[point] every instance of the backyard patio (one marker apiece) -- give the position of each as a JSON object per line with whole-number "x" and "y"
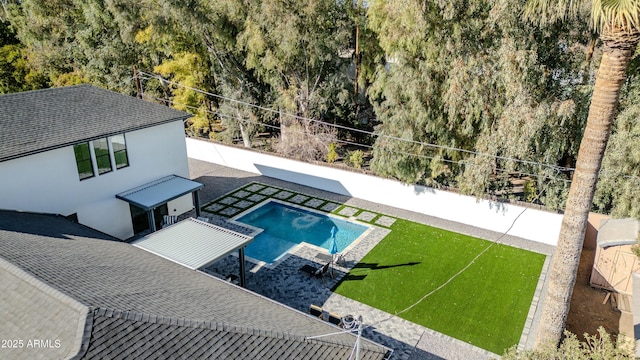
{"x": 228, "y": 192}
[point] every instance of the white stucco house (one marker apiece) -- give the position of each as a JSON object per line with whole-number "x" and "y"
{"x": 108, "y": 161}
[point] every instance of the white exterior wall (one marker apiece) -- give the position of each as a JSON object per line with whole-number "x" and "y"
{"x": 536, "y": 225}
{"x": 48, "y": 182}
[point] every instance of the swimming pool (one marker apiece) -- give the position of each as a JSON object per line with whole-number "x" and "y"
{"x": 285, "y": 226}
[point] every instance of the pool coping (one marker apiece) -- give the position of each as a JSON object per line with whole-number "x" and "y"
{"x": 328, "y": 206}
{"x": 319, "y": 249}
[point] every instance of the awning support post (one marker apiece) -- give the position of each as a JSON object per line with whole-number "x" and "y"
{"x": 243, "y": 281}
{"x": 196, "y": 201}
{"x": 152, "y": 220}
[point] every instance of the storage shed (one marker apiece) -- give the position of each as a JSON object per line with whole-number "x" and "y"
{"x": 614, "y": 261}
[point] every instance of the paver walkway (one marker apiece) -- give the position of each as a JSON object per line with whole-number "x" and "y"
{"x": 284, "y": 283}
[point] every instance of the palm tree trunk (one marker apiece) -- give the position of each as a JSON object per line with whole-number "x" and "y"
{"x": 618, "y": 50}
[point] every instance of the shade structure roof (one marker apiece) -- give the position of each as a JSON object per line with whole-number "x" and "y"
{"x": 615, "y": 232}
{"x": 193, "y": 243}
{"x": 158, "y": 192}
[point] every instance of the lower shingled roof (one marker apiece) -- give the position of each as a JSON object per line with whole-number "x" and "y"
{"x": 129, "y": 335}
{"x": 154, "y": 300}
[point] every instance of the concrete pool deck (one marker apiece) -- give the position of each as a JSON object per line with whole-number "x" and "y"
{"x": 295, "y": 289}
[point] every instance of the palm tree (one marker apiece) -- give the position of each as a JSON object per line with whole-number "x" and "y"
{"x": 617, "y": 23}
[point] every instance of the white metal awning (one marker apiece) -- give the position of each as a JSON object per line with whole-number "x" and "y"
{"x": 158, "y": 192}
{"x": 193, "y": 243}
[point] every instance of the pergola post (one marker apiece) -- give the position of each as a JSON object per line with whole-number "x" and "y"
{"x": 152, "y": 220}
{"x": 196, "y": 201}
{"x": 242, "y": 275}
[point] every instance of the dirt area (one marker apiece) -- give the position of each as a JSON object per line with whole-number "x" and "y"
{"x": 587, "y": 311}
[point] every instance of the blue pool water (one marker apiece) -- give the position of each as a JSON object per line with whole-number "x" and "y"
{"x": 286, "y": 226}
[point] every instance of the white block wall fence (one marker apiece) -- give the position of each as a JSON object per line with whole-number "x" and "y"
{"x": 536, "y": 225}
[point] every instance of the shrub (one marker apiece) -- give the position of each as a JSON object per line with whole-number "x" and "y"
{"x": 356, "y": 158}
{"x": 530, "y": 191}
{"x": 332, "y": 154}
{"x": 305, "y": 140}
{"x": 600, "y": 347}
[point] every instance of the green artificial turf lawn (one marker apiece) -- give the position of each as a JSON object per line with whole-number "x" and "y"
{"x": 487, "y": 305}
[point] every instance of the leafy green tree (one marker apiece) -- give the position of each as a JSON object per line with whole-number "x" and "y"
{"x": 187, "y": 69}
{"x": 16, "y": 74}
{"x": 7, "y": 35}
{"x": 294, "y": 47}
{"x": 471, "y": 76}
{"x": 73, "y": 41}
{"x": 210, "y": 31}
{"x": 46, "y": 29}
{"x": 618, "y": 187}
{"x": 239, "y": 119}
{"x": 617, "y": 23}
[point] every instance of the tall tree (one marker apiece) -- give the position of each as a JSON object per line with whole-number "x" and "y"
{"x": 187, "y": 69}
{"x": 47, "y": 30}
{"x": 295, "y": 47}
{"x": 74, "y": 41}
{"x": 16, "y": 73}
{"x": 617, "y": 22}
{"x": 210, "y": 31}
{"x": 471, "y": 75}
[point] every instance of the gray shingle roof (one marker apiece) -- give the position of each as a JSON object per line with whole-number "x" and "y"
{"x": 154, "y": 298}
{"x": 36, "y": 121}
{"x": 130, "y": 335}
{"x": 30, "y": 309}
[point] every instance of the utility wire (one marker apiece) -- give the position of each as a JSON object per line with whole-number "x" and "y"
{"x": 435, "y": 146}
{"x": 459, "y": 162}
{"x": 556, "y": 168}
{"x": 125, "y": 81}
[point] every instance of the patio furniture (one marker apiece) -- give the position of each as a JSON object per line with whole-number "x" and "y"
{"x": 349, "y": 323}
{"x": 341, "y": 260}
{"x": 335, "y": 319}
{"x": 169, "y": 220}
{"x": 316, "y": 311}
{"x": 316, "y": 272}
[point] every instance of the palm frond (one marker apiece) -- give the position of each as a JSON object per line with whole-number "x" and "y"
{"x": 550, "y": 11}
{"x": 624, "y": 14}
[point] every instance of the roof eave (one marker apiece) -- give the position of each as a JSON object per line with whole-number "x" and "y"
{"x": 60, "y": 146}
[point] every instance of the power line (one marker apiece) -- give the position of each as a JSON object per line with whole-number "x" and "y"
{"x": 125, "y": 81}
{"x": 556, "y": 168}
{"x": 435, "y": 146}
{"x": 459, "y": 162}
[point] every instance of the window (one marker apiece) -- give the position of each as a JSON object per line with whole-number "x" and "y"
{"x": 100, "y": 155}
{"x": 103, "y": 158}
{"x": 119, "y": 151}
{"x": 83, "y": 160}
